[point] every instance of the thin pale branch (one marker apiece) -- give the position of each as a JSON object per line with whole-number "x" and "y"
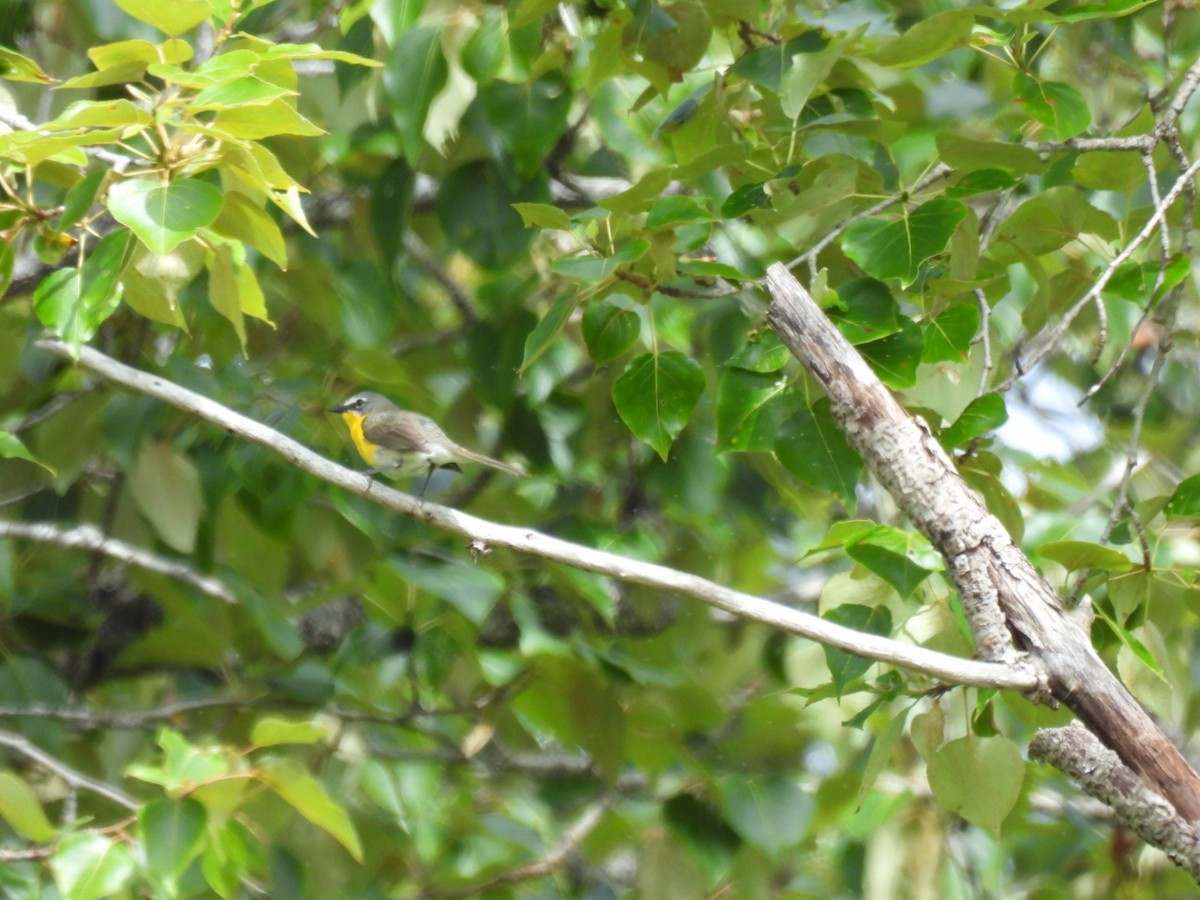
{"x": 1093, "y": 295}
{"x": 584, "y": 825}
{"x": 526, "y": 540}
{"x": 28, "y": 749}
{"x": 92, "y": 539}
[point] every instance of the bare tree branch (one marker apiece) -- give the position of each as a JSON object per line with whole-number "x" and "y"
{"x": 30, "y": 750}
{"x": 91, "y": 538}
{"x": 571, "y": 839}
{"x": 1075, "y": 751}
{"x": 1093, "y": 295}
{"x": 526, "y": 540}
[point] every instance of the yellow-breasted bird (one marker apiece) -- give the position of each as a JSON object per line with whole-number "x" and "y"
{"x": 403, "y": 444}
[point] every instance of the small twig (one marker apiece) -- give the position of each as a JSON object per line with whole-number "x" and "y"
{"x": 88, "y": 537}
{"x": 1056, "y": 334}
{"x": 571, "y": 839}
{"x": 1187, "y": 87}
{"x": 10, "y": 856}
{"x": 985, "y": 339}
{"x": 29, "y": 750}
{"x": 1139, "y": 142}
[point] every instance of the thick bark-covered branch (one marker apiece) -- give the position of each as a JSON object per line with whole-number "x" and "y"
{"x": 1000, "y": 590}
{"x": 1076, "y": 751}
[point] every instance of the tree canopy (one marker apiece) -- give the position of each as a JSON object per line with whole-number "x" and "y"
{"x": 707, "y": 646}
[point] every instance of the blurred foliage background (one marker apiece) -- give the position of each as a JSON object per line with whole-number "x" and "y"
{"x": 541, "y": 224}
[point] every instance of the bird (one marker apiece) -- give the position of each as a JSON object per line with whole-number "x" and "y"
{"x": 403, "y": 444}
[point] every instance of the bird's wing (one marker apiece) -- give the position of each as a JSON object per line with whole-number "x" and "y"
{"x": 397, "y": 431}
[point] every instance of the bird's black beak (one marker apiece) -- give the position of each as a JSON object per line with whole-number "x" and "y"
{"x": 341, "y": 407}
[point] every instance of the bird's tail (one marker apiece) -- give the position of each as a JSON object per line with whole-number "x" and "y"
{"x": 472, "y": 456}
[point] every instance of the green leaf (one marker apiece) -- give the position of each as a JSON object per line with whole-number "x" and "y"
{"x": 968, "y": 155}
{"x": 80, "y": 198}
{"x": 390, "y": 209}
{"x": 7, "y": 259}
{"x": 845, "y": 667}
{"x": 763, "y": 352}
{"x": 289, "y": 779}
{"x": 1185, "y": 500}
{"x": 528, "y": 118}
{"x": 241, "y": 92}
{"x": 996, "y": 496}
{"x": 172, "y": 833}
{"x": 271, "y": 730}
{"x": 475, "y": 207}
{"x": 767, "y": 65}
{"x": 597, "y": 268}
{"x": 16, "y": 67}
{"x": 265, "y": 120}
{"x": 172, "y": 18}
{"x": 416, "y": 71}
{"x": 485, "y": 50}
{"x": 751, "y": 407}
{"x": 184, "y": 766}
{"x": 118, "y": 74}
{"x": 543, "y": 215}
{"x": 809, "y": 70}
{"x": 656, "y": 394}
{"x": 170, "y": 52}
{"x": 92, "y": 114}
{"x": 983, "y": 414}
{"x": 813, "y": 448}
{"x": 1046, "y": 222}
{"x": 610, "y": 327}
{"x": 244, "y": 220}
{"x": 11, "y": 447}
{"x": 21, "y": 808}
{"x": 881, "y": 752}
{"x": 166, "y": 489}
{"x": 745, "y": 198}
{"x": 90, "y": 866}
{"x": 642, "y": 195}
{"x": 960, "y": 767}
{"x": 896, "y": 357}
{"x": 1058, "y": 106}
{"x": 901, "y": 558}
{"x": 867, "y": 311}
{"x": 895, "y": 246}
{"x": 675, "y": 209}
{"x": 164, "y": 215}
{"x": 1137, "y": 281}
{"x": 1140, "y": 651}
{"x": 233, "y": 288}
{"x": 546, "y": 330}
{"x": 983, "y": 181}
{"x": 472, "y": 590}
{"x": 947, "y": 337}
{"x": 1075, "y": 555}
{"x": 75, "y": 302}
{"x": 282, "y": 636}
{"x": 771, "y": 813}
{"x": 930, "y": 39}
